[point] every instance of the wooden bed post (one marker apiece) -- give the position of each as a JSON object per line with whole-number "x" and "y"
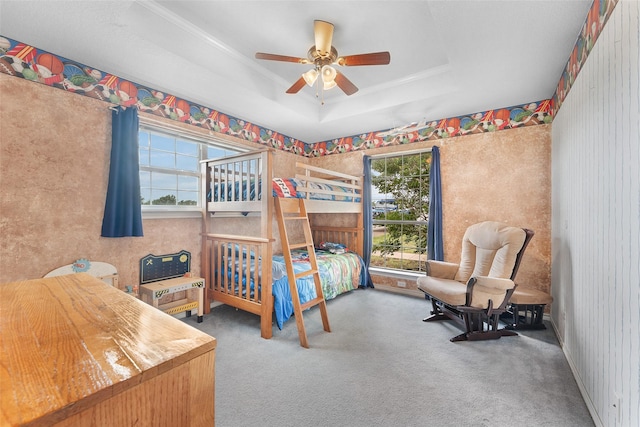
{"x": 205, "y": 264}
{"x": 360, "y": 221}
{"x": 266, "y": 225}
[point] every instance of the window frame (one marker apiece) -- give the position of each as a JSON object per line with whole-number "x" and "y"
{"x": 422, "y": 256}
{"x": 204, "y": 142}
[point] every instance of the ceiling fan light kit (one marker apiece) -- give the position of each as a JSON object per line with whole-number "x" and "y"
{"x": 323, "y": 55}
{"x": 328, "y": 85}
{"x": 328, "y": 74}
{"x": 310, "y": 77}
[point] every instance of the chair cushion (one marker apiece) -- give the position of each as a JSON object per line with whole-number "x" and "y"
{"x": 529, "y": 296}
{"x": 441, "y": 269}
{"x": 450, "y": 292}
{"x": 490, "y": 288}
{"x": 489, "y": 249}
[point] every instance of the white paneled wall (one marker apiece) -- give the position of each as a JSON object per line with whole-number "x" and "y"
{"x": 596, "y": 223}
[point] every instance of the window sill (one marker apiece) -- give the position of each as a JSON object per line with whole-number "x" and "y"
{"x": 400, "y": 274}
{"x": 170, "y": 214}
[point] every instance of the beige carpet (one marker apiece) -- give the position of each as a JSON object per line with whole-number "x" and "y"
{"x": 382, "y": 366}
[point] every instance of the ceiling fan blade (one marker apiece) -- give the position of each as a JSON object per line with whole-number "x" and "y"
{"x": 283, "y": 58}
{"x": 323, "y": 33}
{"x": 345, "y": 84}
{"x": 295, "y": 88}
{"x": 375, "y": 58}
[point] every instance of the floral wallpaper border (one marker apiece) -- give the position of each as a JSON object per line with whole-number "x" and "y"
{"x": 21, "y": 60}
{"x": 596, "y": 19}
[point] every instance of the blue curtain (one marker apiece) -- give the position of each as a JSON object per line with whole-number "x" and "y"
{"x": 367, "y": 221}
{"x": 434, "y": 231}
{"x": 122, "y": 212}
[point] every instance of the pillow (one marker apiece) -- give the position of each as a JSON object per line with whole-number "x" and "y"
{"x": 334, "y": 248}
{"x": 283, "y": 187}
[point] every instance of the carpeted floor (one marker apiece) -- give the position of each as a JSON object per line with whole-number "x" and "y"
{"x": 382, "y": 366}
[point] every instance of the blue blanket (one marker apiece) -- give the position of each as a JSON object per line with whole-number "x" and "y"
{"x": 339, "y": 273}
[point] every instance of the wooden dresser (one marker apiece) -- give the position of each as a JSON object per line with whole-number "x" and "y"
{"x": 75, "y": 351}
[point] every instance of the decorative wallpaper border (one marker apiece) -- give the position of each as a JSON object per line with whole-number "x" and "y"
{"x": 21, "y": 60}
{"x": 534, "y": 113}
{"x": 596, "y": 19}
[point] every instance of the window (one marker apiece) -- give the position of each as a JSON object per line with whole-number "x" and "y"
{"x": 170, "y": 168}
{"x": 400, "y": 203}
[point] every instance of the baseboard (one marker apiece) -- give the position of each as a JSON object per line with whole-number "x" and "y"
{"x": 583, "y": 390}
{"x": 393, "y": 289}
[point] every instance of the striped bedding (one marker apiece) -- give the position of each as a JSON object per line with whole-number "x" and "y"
{"x": 282, "y": 187}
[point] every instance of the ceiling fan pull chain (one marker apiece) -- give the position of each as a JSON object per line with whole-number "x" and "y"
{"x": 318, "y": 91}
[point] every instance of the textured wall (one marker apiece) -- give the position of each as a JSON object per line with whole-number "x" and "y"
{"x": 499, "y": 176}
{"x": 504, "y": 176}
{"x": 54, "y": 168}
{"x": 596, "y": 223}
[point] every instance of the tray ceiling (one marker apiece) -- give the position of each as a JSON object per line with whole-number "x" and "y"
{"x": 448, "y": 58}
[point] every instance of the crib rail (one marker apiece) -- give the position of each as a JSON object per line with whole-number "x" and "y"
{"x": 236, "y": 183}
{"x": 237, "y": 270}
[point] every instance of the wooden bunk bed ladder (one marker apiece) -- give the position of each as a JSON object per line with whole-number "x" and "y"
{"x": 293, "y": 211}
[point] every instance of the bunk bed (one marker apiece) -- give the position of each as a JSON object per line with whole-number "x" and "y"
{"x": 246, "y": 272}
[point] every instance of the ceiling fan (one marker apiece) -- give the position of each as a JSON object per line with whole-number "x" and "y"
{"x": 323, "y": 56}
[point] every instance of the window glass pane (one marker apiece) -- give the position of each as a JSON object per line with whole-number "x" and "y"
{"x": 187, "y": 147}
{"x": 215, "y": 152}
{"x": 162, "y": 159}
{"x": 188, "y": 182}
{"x": 145, "y": 196}
{"x": 145, "y": 179}
{"x": 161, "y": 197}
{"x": 187, "y": 163}
{"x": 161, "y": 142}
{"x": 188, "y": 198}
{"x": 164, "y": 180}
{"x": 143, "y": 155}
{"x": 143, "y": 139}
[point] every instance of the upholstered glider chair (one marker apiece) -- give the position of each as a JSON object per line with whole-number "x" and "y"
{"x": 475, "y": 292}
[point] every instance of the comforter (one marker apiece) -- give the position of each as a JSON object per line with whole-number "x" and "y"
{"x": 339, "y": 273}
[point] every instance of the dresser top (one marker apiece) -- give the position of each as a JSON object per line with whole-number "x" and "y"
{"x": 71, "y": 341}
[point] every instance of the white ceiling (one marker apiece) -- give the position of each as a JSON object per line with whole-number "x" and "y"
{"x": 448, "y": 58}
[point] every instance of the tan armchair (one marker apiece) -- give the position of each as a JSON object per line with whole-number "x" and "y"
{"x": 475, "y": 292}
